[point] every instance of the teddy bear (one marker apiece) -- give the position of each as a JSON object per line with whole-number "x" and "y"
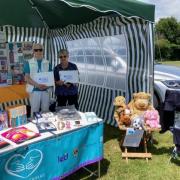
{"x": 151, "y": 118}
{"x": 121, "y": 113}
{"x": 140, "y": 103}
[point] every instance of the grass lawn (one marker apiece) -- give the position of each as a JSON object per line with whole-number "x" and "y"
{"x": 174, "y": 63}
{"x": 115, "y": 168}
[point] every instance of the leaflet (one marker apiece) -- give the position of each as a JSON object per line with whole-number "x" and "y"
{"x": 70, "y": 76}
{"x": 46, "y": 78}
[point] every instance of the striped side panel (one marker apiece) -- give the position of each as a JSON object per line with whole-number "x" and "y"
{"x": 99, "y": 100}
{"x": 21, "y": 34}
{"x": 13, "y": 103}
{"x": 138, "y": 34}
{"x": 139, "y": 39}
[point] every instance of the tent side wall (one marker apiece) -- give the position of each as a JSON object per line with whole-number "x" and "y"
{"x": 139, "y": 39}
{"x": 21, "y": 34}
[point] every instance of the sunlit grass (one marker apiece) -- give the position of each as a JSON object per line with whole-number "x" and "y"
{"x": 115, "y": 168}
{"x": 173, "y": 63}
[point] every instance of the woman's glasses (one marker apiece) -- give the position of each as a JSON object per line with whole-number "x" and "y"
{"x": 36, "y": 50}
{"x": 62, "y": 57}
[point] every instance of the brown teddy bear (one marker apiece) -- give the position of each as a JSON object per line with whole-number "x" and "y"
{"x": 121, "y": 113}
{"x": 141, "y": 102}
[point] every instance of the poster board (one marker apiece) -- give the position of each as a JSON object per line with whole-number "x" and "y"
{"x": 12, "y": 57}
{"x": 3, "y": 64}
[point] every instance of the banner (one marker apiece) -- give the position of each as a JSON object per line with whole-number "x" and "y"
{"x": 54, "y": 158}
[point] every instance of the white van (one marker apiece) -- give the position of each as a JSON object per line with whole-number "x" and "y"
{"x": 165, "y": 77}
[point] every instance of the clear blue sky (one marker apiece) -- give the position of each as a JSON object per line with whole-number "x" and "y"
{"x": 165, "y": 8}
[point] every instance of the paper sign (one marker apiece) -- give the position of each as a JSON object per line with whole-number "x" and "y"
{"x": 70, "y": 76}
{"x": 133, "y": 137}
{"x": 46, "y": 78}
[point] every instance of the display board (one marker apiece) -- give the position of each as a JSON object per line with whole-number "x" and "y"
{"x": 3, "y": 63}
{"x": 12, "y": 57}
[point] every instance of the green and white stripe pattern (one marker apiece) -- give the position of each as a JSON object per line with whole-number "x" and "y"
{"x": 139, "y": 40}
{"x": 13, "y": 103}
{"x": 21, "y": 34}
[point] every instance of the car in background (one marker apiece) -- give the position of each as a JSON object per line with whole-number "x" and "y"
{"x": 165, "y": 77}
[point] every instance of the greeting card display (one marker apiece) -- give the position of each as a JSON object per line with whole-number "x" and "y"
{"x": 16, "y": 61}
{"x": 19, "y": 134}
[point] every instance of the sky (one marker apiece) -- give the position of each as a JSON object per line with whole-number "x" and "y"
{"x": 165, "y": 8}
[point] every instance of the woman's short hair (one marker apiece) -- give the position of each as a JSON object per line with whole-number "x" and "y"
{"x": 63, "y": 51}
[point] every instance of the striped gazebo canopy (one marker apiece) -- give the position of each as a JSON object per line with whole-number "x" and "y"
{"x": 57, "y": 23}
{"x": 60, "y": 13}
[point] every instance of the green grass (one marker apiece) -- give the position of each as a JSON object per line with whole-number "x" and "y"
{"x": 173, "y": 63}
{"x": 113, "y": 167}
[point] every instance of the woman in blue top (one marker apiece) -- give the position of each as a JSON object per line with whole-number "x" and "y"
{"x": 67, "y": 93}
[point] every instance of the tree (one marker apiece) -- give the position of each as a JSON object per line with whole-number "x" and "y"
{"x": 162, "y": 49}
{"x": 168, "y": 28}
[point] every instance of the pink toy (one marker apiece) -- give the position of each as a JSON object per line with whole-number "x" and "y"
{"x": 151, "y": 118}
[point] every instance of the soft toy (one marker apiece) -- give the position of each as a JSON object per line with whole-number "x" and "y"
{"x": 138, "y": 122}
{"x": 141, "y": 102}
{"x": 152, "y": 118}
{"x": 121, "y": 113}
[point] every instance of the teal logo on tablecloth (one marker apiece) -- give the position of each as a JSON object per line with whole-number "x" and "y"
{"x": 24, "y": 165}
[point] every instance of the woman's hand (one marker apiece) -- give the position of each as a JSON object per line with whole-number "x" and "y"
{"x": 59, "y": 83}
{"x": 68, "y": 84}
{"x": 41, "y": 86}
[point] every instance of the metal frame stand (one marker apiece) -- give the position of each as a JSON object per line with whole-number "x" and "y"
{"x": 95, "y": 173}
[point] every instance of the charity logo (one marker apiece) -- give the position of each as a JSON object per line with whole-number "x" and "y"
{"x": 62, "y": 158}
{"x": 24, "y": 165}
{"x": 43, "y": 79}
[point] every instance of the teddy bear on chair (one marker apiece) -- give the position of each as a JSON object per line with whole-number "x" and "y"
{"x": 152, "y": 118}
{"x": 140, "y": 103}
{"x": 121, "y": 113}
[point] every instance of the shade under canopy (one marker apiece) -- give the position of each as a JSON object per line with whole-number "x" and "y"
{"x": 60, "y": 13}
